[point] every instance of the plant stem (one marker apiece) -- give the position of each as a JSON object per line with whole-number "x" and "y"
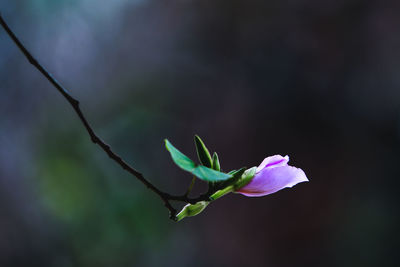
{"x": 166, "y": 198}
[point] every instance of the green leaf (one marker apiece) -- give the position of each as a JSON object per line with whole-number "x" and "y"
{"x": 179, "y": 158}
{"x": 202, "y": 152}
{"x": 188, "y": 165}
{"x": 215, "y": 164}
{"x": 232, "y": 172}
{"x": 210, "y": 175}
{"x": 191, "y": 210}
{"x": 236, "y": 176}
{"x": 240, "y": 178}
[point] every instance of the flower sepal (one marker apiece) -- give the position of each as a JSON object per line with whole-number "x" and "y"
{"x": 246, "y": 178}
{"x": 240, "y": 178}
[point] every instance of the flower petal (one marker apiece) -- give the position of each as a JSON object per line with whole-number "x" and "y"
{"x": 273, "y": 161}
{"x": 270, "y": 180}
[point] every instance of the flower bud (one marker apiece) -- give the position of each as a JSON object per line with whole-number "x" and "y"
{"x": 272, "y": 175}
{"x": 191, "y": 210}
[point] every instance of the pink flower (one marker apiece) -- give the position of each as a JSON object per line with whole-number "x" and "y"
{"x": 272, "y": 175}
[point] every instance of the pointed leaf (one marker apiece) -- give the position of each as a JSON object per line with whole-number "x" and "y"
{"x": 239, "y": 177}
{"x": 210, "y": 175}
{"x": 232, "y": 172}
{"x": 199, "y": 171}
{"x": 215, "y": 164}
{"x": 237, "y": 173}
{"x": 202, "y": 152}
{"x": 236, "y": 176}
{"x": 179, "y": 158}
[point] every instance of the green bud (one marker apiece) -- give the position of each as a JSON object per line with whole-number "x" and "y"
{"x": 202, "y": 152}
{"x": 191, "y": 210}
{"x": 215, "y": 162}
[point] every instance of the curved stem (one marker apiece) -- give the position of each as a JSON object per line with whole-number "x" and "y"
{"x": 166, "y": 198}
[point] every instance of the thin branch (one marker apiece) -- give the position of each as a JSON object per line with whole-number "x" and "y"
{"x": 95, "y": 139}
{"x": 166, "y": 198}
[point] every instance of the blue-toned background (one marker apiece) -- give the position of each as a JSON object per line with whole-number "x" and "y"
{"x": 317, "y": 80}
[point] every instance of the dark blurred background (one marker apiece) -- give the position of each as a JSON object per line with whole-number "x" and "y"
{"x": 317, "y": 80}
